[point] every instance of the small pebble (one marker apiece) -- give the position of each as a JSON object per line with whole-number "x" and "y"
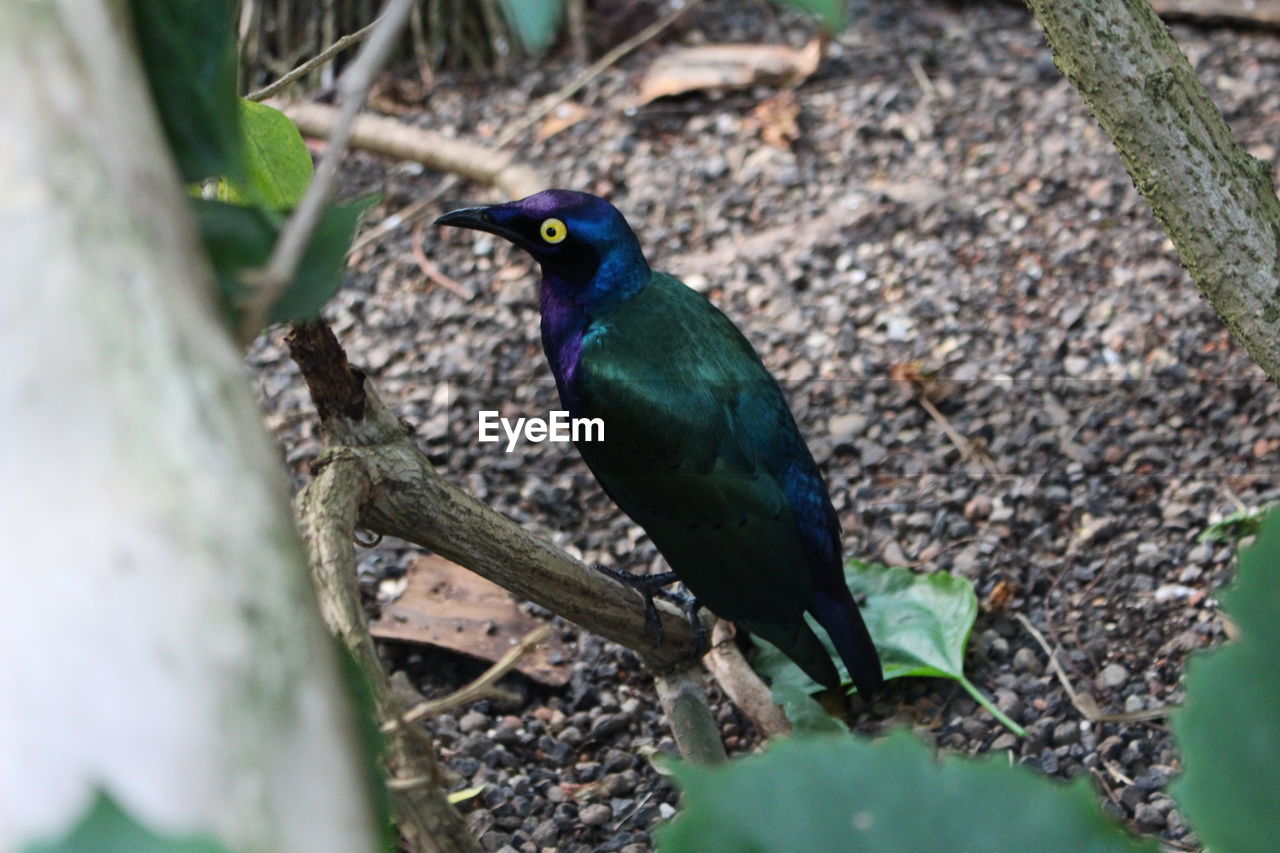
{"x": 1025, "y": 660}
{"x": 595, "y": 814}
{"x": 473, "y": 721}
{"x": 1113, "y": 676}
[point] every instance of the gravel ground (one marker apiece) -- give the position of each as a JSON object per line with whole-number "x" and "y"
{"x": 970, "y": 225}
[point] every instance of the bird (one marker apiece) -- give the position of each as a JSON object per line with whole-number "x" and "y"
{"x": 700, "y": 447}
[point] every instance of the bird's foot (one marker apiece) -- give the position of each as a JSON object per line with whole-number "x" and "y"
{"x": 688, "y": 602}
{"x": 649, "y": 586}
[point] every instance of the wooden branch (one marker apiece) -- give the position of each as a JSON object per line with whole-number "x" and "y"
{"x": 394, "y": 138}
{"x": 684, "y": 702}
{"x": 413, "y": 502}
{"x": 270, "y": 283}
{"x": 741, "y": 684}
{"x": 327, "y": 510}
{"x": 1217, "y": 204}
{"x": 408, "y": 499}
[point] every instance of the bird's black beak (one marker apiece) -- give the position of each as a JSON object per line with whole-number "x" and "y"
{"x": 476, "y": 218}
{"x": 481, "y": 219}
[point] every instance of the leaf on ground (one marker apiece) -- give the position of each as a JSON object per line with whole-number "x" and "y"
{"x": 1236, "y": 526}
{"x": 777, "y": 119}
{"x": 107, "y": 828}
{"x": 920, "y": 624}
{"x": 805, "y": 713}
{"x": 188, "y": 51}
{"x": 1228, "y": 730}
{"x": 450, "y": 607}
{"x": 277, "y": 163}
{"x": 888, "y": 796}
{"x": 465, "y": 794}
{"x": 834, "y": 13}
{"x": 241, "y": 238}
{"x": 535, "y": 22}
{"x": 714, "y": 67}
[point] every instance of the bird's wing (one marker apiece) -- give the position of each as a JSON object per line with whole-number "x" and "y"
{"x": 702, "y": 451}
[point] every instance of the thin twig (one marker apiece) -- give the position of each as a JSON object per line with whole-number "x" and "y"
{"x": 413, "y": 212}
{"x": 922, "y": 79}
{"x": 432, "y": 271}
{"x": 270, "y": 283}
{"x": 962, "y": 444}
{"x": 1088, "y": 713}
{"x": 481, "y": 688}
{"x": 314, "y": 62}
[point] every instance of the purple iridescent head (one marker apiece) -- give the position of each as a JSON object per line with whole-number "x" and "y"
{"x": 578, "y": 238}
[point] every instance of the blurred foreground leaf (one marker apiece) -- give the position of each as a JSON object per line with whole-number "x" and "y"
{"x": 188, "y": 50}
{"x": 920, "y": 624}
{"x": 241, "y": 238}
{"x": 1229, "y": 730}
{"x": 846, "y": 794}
{"x": 106, "y": 828}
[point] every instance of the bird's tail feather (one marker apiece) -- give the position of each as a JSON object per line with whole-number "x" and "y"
{"x": 839, "y": 615}
{"x": 797, "y": 641}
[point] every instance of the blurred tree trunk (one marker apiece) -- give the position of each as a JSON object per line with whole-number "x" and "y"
{"x": 1217, "y": 204}
{"x": 161, "y": 639}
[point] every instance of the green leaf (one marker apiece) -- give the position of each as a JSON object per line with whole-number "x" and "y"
{"x": 1236, "y": 526}
{"x": 834, "y": 13}
{"x": 920, "y": 624}
{"x": 806, "y": 715}
{"x": 846, "y": 794}
{"x": 277, "y": 162}
{"x": 535, "y": 22}
{"x": 106, "y": 828}
{"x": 188, "y": 51}
{"x": 320, "y": 271}
{"x": 1229, "y": 729}
{"x": 241, "y": 238}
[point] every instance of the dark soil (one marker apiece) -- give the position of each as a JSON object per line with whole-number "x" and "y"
{"x": 981, "y": 231}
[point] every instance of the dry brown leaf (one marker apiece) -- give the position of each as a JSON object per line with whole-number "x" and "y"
{"x": 999, "y": 597}
{"x": 563, "y": 117}
{"x": 728, "y": 66}
{"x": 777, "y": 119}
{"x": 446, "y": 605}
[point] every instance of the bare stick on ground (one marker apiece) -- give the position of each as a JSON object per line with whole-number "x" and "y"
{"x": 483, "y": 687}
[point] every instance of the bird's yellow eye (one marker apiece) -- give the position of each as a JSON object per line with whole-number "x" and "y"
{"x": 553, "y": 230}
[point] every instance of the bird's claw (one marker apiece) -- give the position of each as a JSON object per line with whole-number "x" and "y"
{"x": 650, "y": 586}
